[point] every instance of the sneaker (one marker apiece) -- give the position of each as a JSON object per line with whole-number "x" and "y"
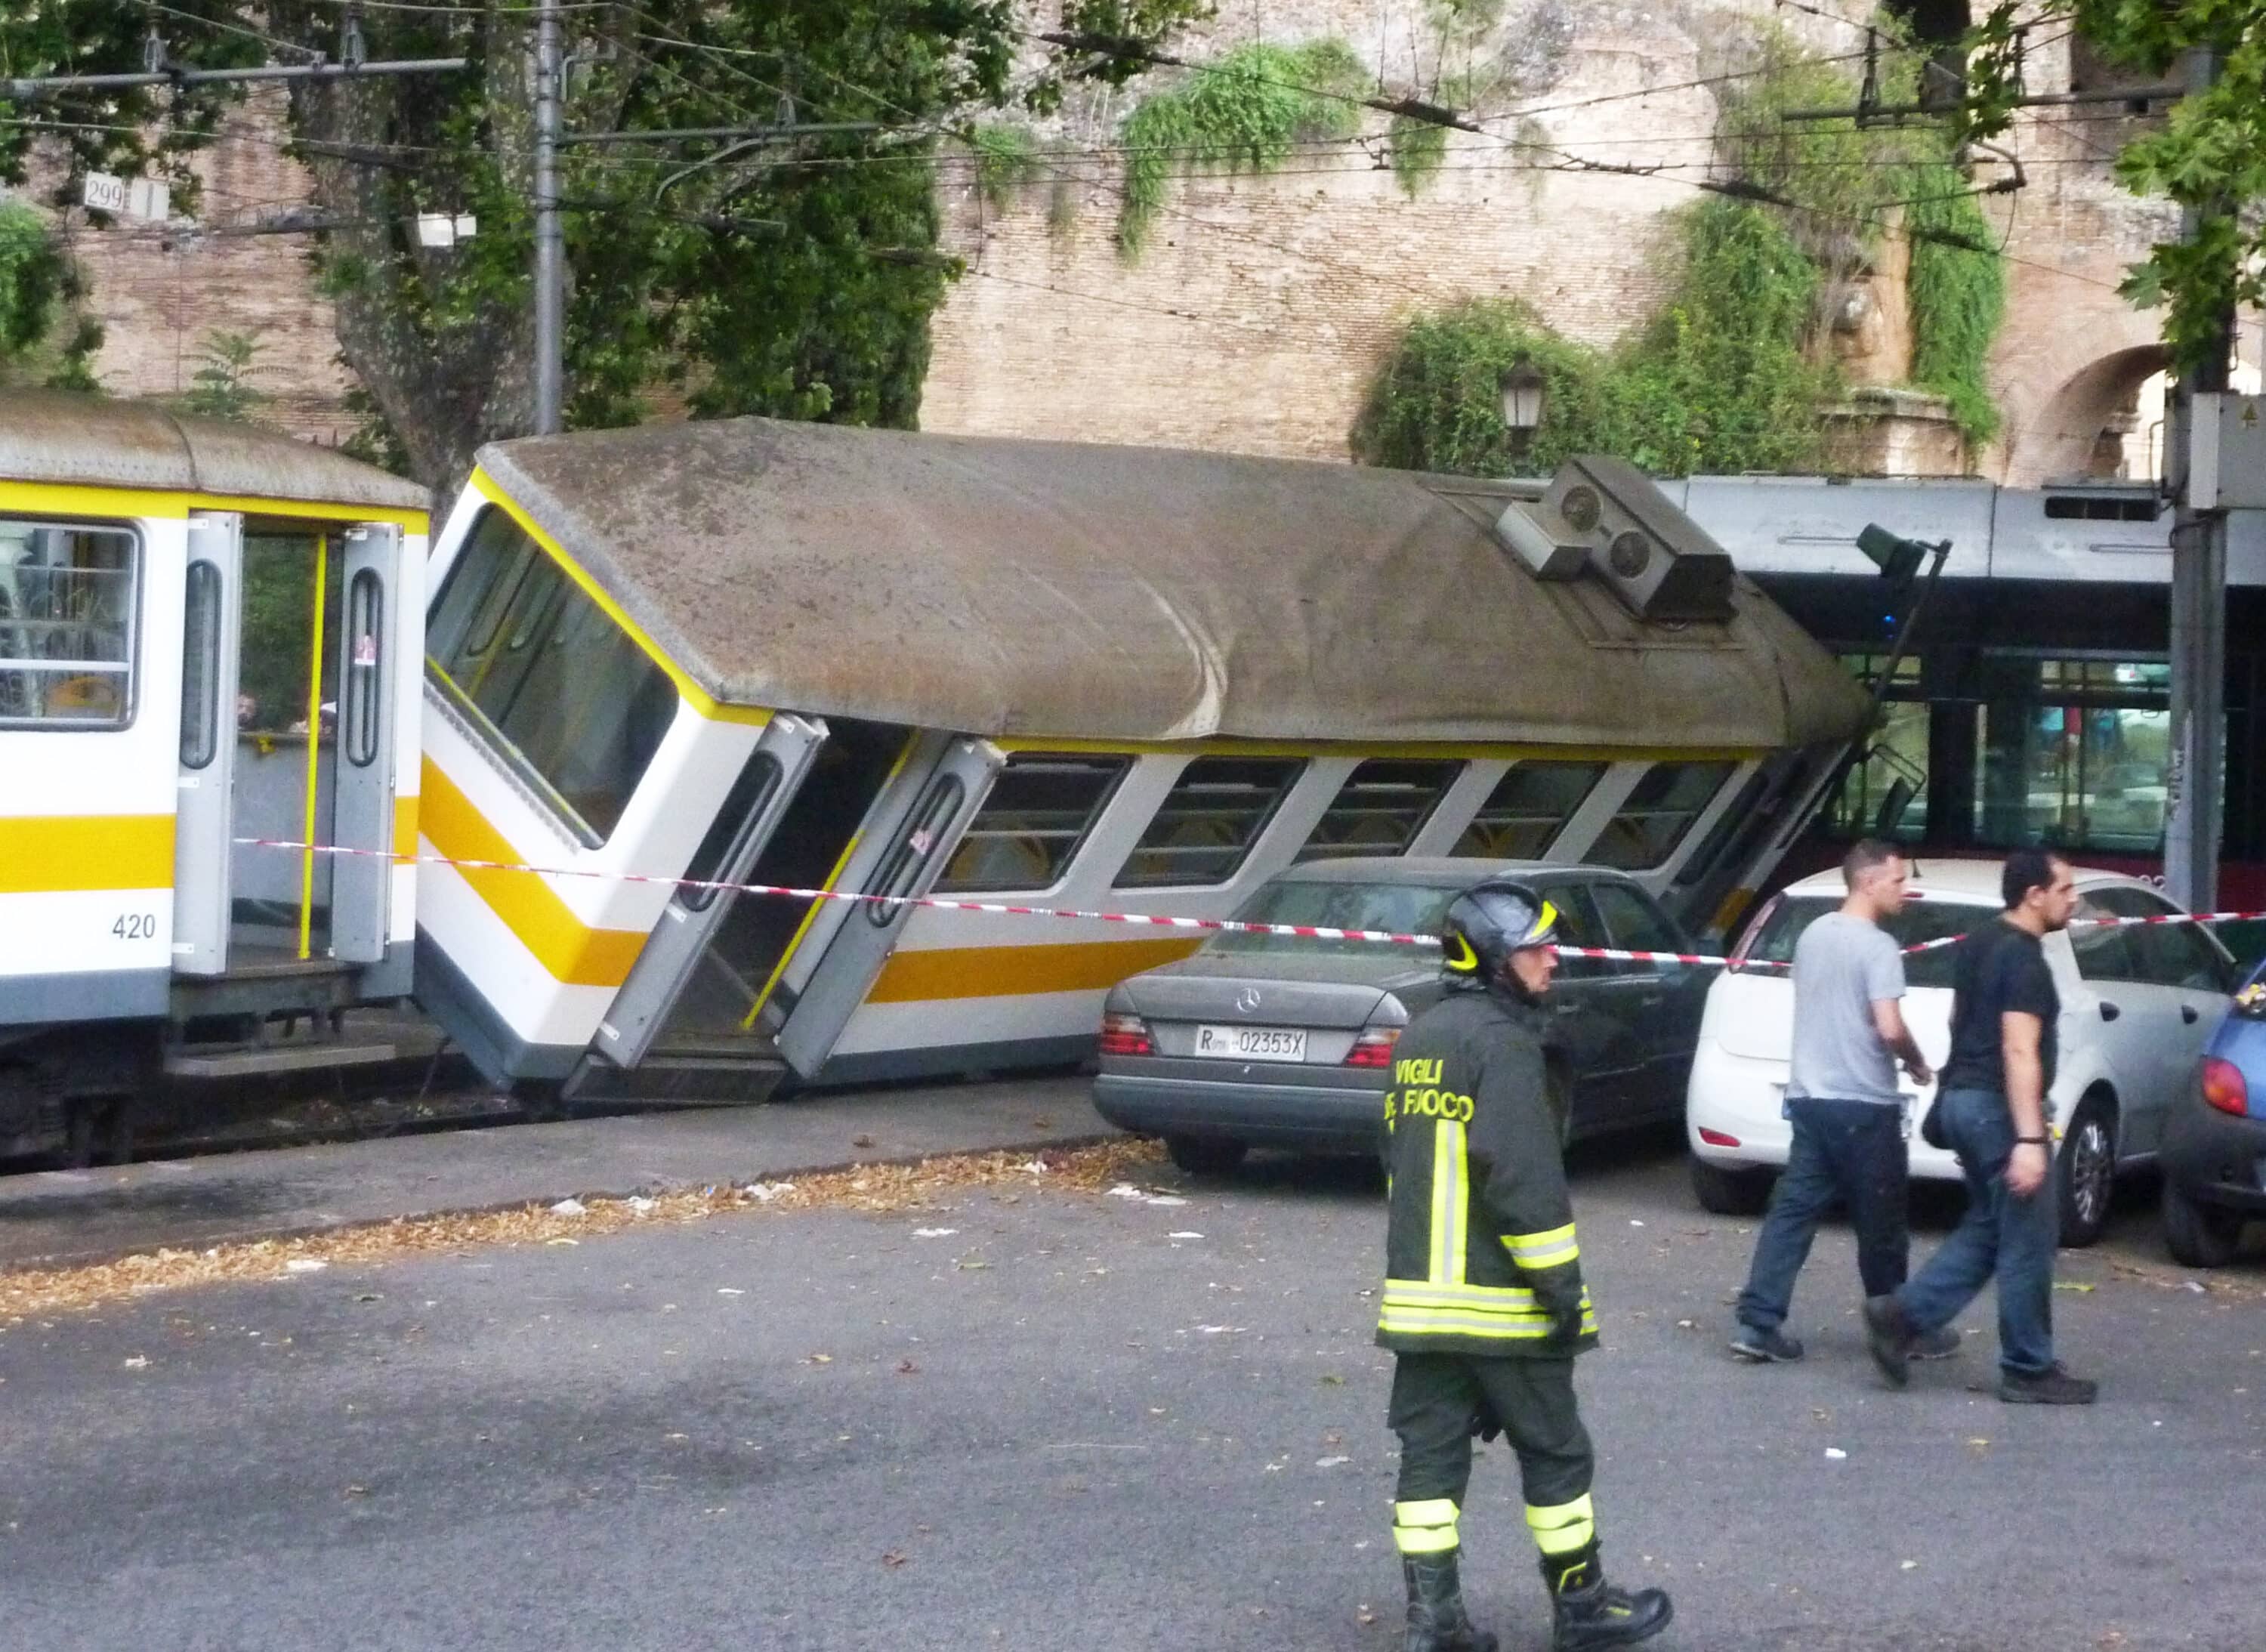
{"x": 1889, "y": 1338}
{"x": 2052, "y": 1386}
{"x": 1940, "y": 1343}
{"x": 1765, "y": 1347}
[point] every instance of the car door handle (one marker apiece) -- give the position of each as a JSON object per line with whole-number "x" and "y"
{"x": 2110, "y": 1011}
{"x": 2189, "y": 1014}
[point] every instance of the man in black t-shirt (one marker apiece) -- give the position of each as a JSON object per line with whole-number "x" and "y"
{"x": 1994, "y": 1104}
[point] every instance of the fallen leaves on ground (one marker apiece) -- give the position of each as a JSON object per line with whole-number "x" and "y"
{"x": 868, "y": 1190}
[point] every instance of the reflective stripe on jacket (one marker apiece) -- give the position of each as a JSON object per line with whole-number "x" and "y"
{"x": 1481, "y": 1254}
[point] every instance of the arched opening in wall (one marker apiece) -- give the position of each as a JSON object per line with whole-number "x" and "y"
{"x": 2106, "y": 420}
{"x": 1937, "y": 27}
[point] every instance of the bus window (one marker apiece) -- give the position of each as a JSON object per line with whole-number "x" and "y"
{"x": 1038, "y": 810}
{"x": 1380, "y": 809}
{"x": 1528, "y": 806}
{"x": 1657, "y": 814}
{"x": 1205, "y": 829}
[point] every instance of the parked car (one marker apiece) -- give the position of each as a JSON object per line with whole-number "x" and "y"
{"x": 1278, "y": 1041}
{"x": 2137, "y": 1002}
{"x": 2215, "y": 1144}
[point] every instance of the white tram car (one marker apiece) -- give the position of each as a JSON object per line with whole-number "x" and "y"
{"x": 149, "y": 566}
{"x": 806, "y": 655}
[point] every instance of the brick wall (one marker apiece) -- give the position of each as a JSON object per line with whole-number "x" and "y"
{"x": 1262, "y": 306}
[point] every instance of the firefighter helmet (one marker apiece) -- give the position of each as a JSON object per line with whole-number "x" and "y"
{"x": 1488, "y": 923}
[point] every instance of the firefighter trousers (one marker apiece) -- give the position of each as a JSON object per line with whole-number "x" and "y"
{"x": 1437, "y": 1398}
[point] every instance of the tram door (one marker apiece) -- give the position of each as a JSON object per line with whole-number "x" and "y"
{"x": 702, "y": 1010}
{"x": 914, "y": 824}
{"x": 286, "y": 737}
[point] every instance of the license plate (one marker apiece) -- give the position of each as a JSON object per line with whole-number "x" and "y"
{"x": 1252, "y": 1043}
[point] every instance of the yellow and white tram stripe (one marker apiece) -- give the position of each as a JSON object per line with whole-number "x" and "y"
{"x": 47, "y": 854}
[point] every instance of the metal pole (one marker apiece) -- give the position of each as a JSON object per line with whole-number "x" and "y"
{"x": 549, "y": 251}
{"x": 2193, "y": 806}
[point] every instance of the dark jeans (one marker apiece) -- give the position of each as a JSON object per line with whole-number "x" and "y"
{"x": 1435, "y": 1396}
{"x": 1852, "y": 1152}
{"x": 2013, "y": 1238}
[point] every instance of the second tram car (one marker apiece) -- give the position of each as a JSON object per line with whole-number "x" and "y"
{"x": 1055, "y": 674}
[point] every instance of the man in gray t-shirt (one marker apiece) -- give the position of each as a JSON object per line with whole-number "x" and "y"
{"x": 1842, "y": 1101}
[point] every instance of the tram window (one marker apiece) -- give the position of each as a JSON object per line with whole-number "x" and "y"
{"x": 201, "y": 636}
{"x": 2075, "y": 755}
{"x": 1380, "y": 809}
{"x": 1528, "y": 806}
{"x": 1657, "y": 814}
{"x": 1038, "y": 810}
{"x": 743, "y": 806}
{"x": 364, "y": 715}
{"x": 560, "y": 686}
{"x": 68, "y": 600}
{"x": 1886, "y": 795}
{"x": 1204, "y": 831}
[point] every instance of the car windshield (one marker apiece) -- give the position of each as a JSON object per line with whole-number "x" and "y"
{"x": 1920, "y": 921}
{"x": 1406, "y": 908}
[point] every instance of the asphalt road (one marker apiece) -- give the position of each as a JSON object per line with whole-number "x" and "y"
{"x": 1080, "y": 1421}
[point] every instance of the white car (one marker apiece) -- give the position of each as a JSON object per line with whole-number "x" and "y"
{"x": 2136, "y": 1005}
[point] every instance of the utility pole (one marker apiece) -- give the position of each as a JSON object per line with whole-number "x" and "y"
{"x": 2193, "y": 805}
{"x": 550, "y": 251}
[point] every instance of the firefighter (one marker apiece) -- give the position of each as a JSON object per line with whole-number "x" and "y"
{"x": 1484, "y": 1306}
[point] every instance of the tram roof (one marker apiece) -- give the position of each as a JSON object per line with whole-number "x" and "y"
{"x": 80, "y": 440}
{"x": 1053, "y": 589}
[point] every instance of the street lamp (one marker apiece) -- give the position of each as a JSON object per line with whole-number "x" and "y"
{"x": 1522, "y": 401}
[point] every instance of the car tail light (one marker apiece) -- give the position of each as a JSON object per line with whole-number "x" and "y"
{"x": 2222, "y": 1086}
{"x": 1373, "y": 1048}
{"x": 1125, "y": 1035}
{"x": 1716, "y": 1138}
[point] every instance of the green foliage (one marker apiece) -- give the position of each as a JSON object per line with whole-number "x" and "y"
{"x": 793, "y": 278}
{"x": 1716, "y": 382}
{"x": 1007, "y": 158}
{"x": 31, "y": 279}
{"x": 1417, "y": 148}
{"x": 1847, "y": 184}
{"x": 1244, "y": 113}
{"x": 2209, "y": 156}
{"x": 1957, "y": 297}
{"x": 222, "y": 381}
{"x": 40, "y": 339}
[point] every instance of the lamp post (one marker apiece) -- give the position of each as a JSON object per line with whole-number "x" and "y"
{"x": 1522, "y": 402}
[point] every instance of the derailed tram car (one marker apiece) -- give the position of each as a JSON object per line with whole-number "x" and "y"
{"x": 1053, "y": 673}
{"x": 209, "y": 634}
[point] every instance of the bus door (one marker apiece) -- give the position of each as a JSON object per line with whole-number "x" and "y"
{"x": 915, "y": 824}
{"x": 683, "y": 944}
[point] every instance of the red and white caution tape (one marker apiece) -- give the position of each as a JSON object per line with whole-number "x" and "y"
{"x": 1210, "y": 925}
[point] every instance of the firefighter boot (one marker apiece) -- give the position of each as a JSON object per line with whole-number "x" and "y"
{"x": 1591, "y": 1612}
{"x": 1436, "y": 1619}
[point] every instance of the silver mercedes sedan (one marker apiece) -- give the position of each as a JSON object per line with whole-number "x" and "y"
{"x": 1280, "y": 1041}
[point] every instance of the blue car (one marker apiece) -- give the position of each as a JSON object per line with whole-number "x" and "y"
{"x": 2214, "y": 1154}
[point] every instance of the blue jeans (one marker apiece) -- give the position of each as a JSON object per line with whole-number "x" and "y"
{"x": 2011, "y": 1238}
{"x": 1852, "y": 1152}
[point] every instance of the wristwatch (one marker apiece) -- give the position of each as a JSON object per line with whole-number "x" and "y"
{"x": 2029, "y": 1141}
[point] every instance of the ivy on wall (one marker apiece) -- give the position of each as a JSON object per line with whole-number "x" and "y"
{"x": 1957, "y": 297}
{"x": 1245, "y": 112}
{"x": 1718, "y": 381}
{"x": 1729, "y": 375}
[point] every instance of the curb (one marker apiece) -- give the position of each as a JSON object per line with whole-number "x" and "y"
{"x": 254, "y": 1234}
